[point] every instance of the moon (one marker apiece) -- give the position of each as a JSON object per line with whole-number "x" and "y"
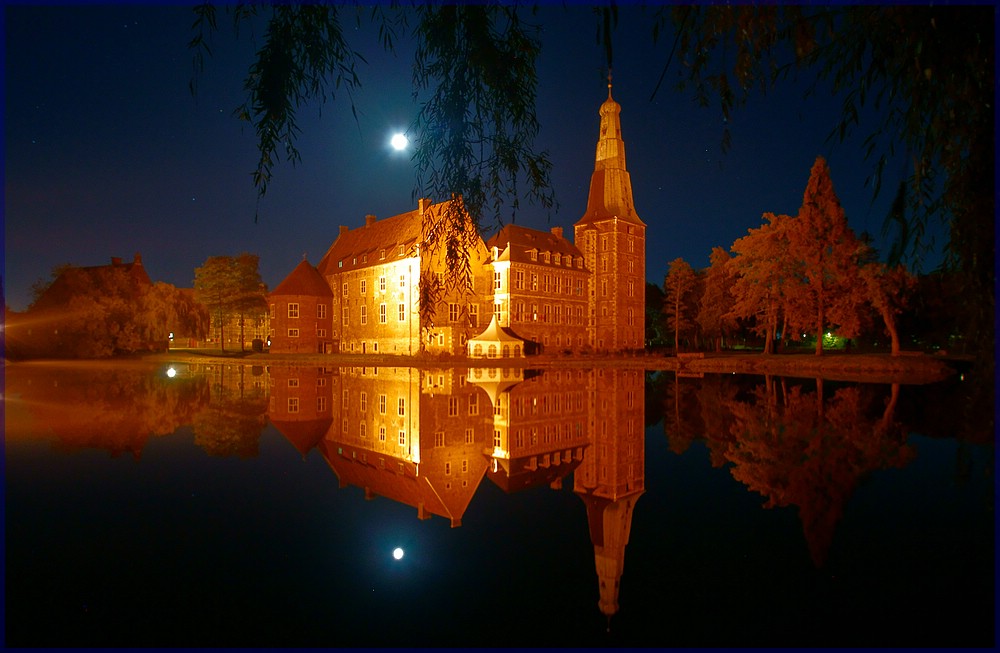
{"x": 397, "y": 553}
{"x": 399, "y": 142}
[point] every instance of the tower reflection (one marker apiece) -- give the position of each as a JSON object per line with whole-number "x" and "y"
{"x": 428, "y": 437}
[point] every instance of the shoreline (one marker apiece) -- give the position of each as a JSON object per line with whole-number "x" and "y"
{"x": 908, "y": 368}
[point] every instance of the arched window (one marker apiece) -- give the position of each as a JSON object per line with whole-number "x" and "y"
{"x": 492, "y": 352}
{"x": 506, "y": 351}
{"x": 477, "y": 351}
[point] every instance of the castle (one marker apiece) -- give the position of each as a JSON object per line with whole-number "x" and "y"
{"x": 527, "y": 291}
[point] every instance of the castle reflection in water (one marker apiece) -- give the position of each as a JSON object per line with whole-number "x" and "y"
{"x": 428, "y": 438}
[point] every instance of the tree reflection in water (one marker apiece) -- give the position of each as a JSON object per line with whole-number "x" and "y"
{"x": 428, "y": 438}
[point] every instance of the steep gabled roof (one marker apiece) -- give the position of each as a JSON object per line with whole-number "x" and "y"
{"x": 362, "y": 246}
{"x": 515, "y": 243}
{"x": 303, "y": 280}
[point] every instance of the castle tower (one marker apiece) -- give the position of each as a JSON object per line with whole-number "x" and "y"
{"x": 613, "y": 241}
{"x": 611, "y": 477}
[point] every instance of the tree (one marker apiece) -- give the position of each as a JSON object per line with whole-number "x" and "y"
{"x": 656, "y": 328}
{"x": 678, "y": 287}
{"x": 928, "y": 73}
{"x": 765, "y": 271}
{"x": 828, "y": 252}
{"x": 887, "y": 289}
{"x": 715, "y": 313}
{"x": 231, "y": 288}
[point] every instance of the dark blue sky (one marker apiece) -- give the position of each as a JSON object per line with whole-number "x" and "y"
{"x": 108, "y": 154}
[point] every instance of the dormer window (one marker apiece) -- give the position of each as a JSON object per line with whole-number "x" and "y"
{"x": 381, "y": 254}
{"x": 401, "y": 250}
{"x": 533, "y": 254}
{"x": 496, "y": 252}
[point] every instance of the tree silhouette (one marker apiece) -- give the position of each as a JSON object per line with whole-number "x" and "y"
{"x": 230, "y": 286}
{"x": 887, "y": 289}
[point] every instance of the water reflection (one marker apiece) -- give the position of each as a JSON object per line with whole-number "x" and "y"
{"x": 428, "y": 438}
{"x": 806, "y": 444}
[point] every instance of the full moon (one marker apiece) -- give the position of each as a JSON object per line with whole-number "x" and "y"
{"x": 397, "y": 553}
{"x": 399, "y": 142}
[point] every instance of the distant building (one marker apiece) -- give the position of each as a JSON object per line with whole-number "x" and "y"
{"x": 300, "y": 308}
{"x": 530, "y": 291}
{"x": 74, "y": 281}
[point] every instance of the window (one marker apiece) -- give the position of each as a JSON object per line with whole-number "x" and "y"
{"x": 401, "y": 250}
{"x": 630, "y": 288}
{"x": 364, "y": 286}
{"x": 604, "y": 263}
{"x": 496, "y": 438}
{"x": 604, "y": 287}
{"x": 518, "y": 311}
{"x": 579, "y": 287}
{"x": 631, "y": 267}
{"x": 347, "y": 398}
{"x": 401, "y": 408}
{"x": 473, "y": 404}
{"x": 439, "y": 439}
{"x": 631, "y": 244}
{"x": 293, "y": 333}
{"x": 452, "y": 406}
{"x": 272, "y": 311}
{"x": 402, "y": 438}
{"x": 519, "y": 279}
{"x": 447, "y": 469}
{"x": 344, "y": 315}
{"x": 293, "y": 383}
{"x": 465, "y": 466}
{"x": 320, "y": 404}
{"x": 402, "y": 312}
{"x": 381, "y": 284}
{"x": 534, "y": 281}
{"x": 402, "y": 281}
{"x": 293, "y": 310}
{"x": 534, "y": 313}
{"x": 363, "y": 430}
{"x": 496, "y": 281}
{"x": 293, "y": 404}
{"x": 381, "y": 404}
{"x": 533, "y": 254}
{"x": 364, "y": 402}
{"x": 364, "y": 314}
{"x": 546, "y": 283}
{"x": 453, "y": 312}
{"x": 498, "y": 311}
{"x": 381, "y": 434}
{"x": 546, "y": 313}
{"x": 468, "y": 436}
{"x": 321, "y": 311}
{"x": 474, "y": 316}
{"x": 381, "y": 254}
{"x": 345, "y": 289}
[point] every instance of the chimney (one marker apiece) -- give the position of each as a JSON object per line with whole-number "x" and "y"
{"x": 343, "y": 230}
{"x": 423, "y": 203}
{"x": 369, "y": 220}
{"x": 557, "y": 232}
{"x": 138, "y": 259}
{"x": 116, "y": 260}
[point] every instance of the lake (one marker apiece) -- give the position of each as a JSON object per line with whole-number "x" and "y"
{"x": 223, "y": 504}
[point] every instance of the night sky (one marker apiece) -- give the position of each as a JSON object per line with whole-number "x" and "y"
{"x": 107, "y": 153}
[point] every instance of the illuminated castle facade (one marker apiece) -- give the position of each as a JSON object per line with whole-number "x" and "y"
{"x": 529, "y": 291}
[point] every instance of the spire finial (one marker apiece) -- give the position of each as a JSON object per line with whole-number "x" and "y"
{"x": 609, "y": 83}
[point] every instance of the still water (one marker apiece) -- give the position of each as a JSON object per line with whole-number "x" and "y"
{"x": 235, "y": 505}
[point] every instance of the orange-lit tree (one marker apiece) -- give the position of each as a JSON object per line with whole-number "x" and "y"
{"x": 828, "y": 253}
{"x": 888, "y": 290}
{"x": 765, "y": 275}
{"x": 715, "y": 310}
{"x": 679, "y": 286}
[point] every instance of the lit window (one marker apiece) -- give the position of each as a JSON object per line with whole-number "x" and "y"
{"x": 293, "y": 310}
{"x": 496, "y": 281}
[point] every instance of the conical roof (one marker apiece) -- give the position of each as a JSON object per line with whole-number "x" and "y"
{"x": 304, "y": 280}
